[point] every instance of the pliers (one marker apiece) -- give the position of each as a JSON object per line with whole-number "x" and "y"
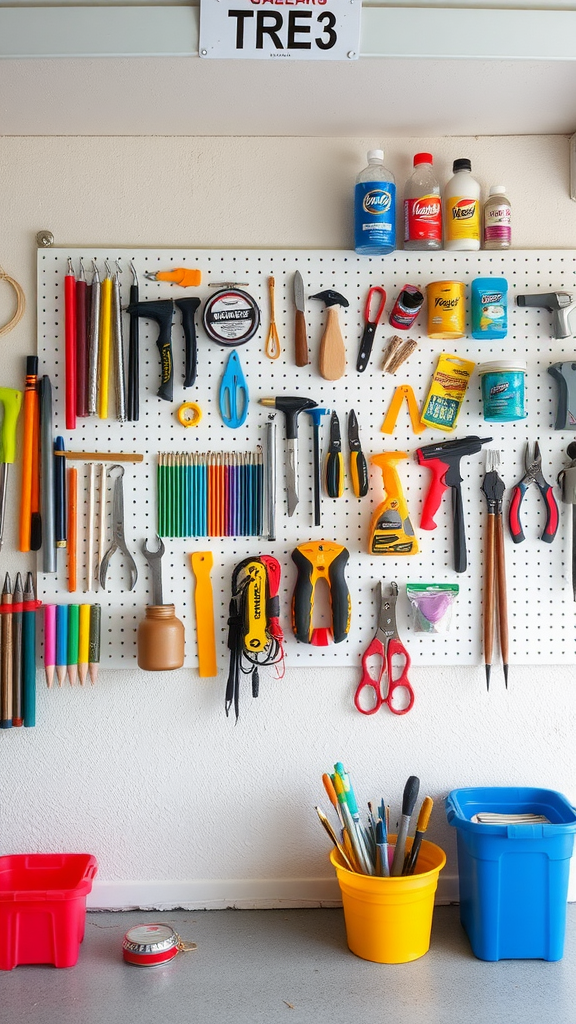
{"x": 533, "y": 475}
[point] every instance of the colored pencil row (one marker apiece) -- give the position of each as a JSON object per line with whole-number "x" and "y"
{"x": 72, "y": 635}
{"x": 218, "y": 494}
{"x": 18, "y": 653}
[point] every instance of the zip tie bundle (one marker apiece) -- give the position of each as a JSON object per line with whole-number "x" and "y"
{"x": 20, "y": 306}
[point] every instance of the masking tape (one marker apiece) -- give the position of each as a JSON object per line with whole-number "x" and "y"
{"x": 189, "y": 414}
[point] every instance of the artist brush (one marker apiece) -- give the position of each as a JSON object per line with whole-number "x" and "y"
{"x": 104, "y": 344}
{"x": 90, "y": 525}
{"x": 334, "y": 838}
{"x": 118, "y": 347}
{"x": 29, "y": 653}
{"x": 6, "y": 662}
{"x": 94, "y": 342}
{"x": 70, "y": 345}
{"x": 81, "y": 345}
{"x": 17, "y": 694}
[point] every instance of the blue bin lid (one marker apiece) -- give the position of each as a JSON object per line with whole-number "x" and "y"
{"x": 463, "y": 804}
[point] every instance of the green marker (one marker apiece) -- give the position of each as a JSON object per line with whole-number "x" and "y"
{"x": 73, "y": 642}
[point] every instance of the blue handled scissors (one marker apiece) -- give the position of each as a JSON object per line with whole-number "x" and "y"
{"x": 233, "y": 399}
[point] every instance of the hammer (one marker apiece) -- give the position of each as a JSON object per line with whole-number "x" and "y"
{"x": 332, "y": 350}
{"x": 291, "y": 407}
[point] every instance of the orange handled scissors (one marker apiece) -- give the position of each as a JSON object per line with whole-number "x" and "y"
{"x": 389, "y": 687}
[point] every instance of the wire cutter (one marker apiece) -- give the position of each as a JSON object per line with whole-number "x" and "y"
{"x": 358, "y": 464}
{"x": 335, "y": 460}
{"x": 533, "y": 475}
{"x": 385, "y": 645}
{"x": 372, "y": 322}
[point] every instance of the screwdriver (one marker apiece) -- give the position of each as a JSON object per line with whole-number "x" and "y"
{"x": 11, "y": 401}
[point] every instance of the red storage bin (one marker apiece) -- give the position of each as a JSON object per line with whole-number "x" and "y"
{"x": 43, "y": 907}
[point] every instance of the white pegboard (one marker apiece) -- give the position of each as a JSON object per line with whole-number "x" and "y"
{"x": 541, "y": 609}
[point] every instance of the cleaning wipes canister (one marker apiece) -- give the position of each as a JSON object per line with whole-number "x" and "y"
{"x": 503, "y": 390}
{"x": 489, "y": 308}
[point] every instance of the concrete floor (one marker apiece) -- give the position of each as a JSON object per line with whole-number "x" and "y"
{"x": 293, "y": 966}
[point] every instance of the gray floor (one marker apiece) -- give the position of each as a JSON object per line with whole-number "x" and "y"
{"x": 289, "y": 966}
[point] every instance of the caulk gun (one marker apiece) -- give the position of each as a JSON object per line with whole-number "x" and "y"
{"x": 560, "y": 304}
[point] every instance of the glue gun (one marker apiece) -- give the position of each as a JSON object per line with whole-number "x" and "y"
{"x": 443, "y": 459}
{"x": 565, "y": 376}
{"x": 560, "y": 304}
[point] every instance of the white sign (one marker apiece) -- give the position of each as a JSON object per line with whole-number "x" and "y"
{"x": 280, "y": 29}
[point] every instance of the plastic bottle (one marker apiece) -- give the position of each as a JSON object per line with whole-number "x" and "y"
{"x": 497, "y": 219}
{"x": 422, "y": 206}
{"x": 462, "y": 209}
{"x": 375, "y": 208}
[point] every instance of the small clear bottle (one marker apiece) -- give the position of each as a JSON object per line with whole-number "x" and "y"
{"x": 422, "y": 206}
{"x": 375, "y": 208}
{"x": 497, "y": 219}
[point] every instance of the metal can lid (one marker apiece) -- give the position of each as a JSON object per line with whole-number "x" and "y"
{"x": 503, "y": 366}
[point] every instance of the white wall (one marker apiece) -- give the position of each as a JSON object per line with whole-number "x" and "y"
{"x": 179, "y": 805}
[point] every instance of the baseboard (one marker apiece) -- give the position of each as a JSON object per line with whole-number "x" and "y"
{"x": 240, "y": 894}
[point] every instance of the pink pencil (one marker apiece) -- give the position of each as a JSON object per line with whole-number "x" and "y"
{"x": 49, "y": 641}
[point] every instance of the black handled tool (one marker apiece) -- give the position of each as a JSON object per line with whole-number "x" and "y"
{"x": 188, "y": 308}
{"x": 408, "y": 800}
{"x": 291, "y": 407}
{"x": 335, "y": 460}
{"x": 133, "y": 402}
{"x": 320, "y": 560}
{"x": 161, "y": 311}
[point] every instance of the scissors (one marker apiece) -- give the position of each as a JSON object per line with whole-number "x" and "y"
{"x": 233, "y": 397}
{"x": 372, "y": 322}
{"x": 385, "y": 645}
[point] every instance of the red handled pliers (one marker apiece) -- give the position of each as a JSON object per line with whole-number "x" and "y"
{"x": 533, "y": 475}
{"x": 371, "y": 323}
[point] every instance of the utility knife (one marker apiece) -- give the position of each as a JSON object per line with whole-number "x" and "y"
{"x": 300, "y": 337}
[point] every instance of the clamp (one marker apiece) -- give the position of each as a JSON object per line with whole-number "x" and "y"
{"x": 404, "y": 391}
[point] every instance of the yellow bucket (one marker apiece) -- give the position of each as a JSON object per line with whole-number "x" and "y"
{"x": 389, "y": 920}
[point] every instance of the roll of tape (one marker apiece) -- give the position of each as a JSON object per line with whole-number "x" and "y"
{"x": 189, "y": 414}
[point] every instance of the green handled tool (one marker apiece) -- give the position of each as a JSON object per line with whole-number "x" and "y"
{"x": 335, "y": 460}
{"x": 11, "y": 401}
{"x": 358, "y": 464}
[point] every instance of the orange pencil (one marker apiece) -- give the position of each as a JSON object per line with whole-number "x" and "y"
{"x": 72, "y": 528}
{"x": 29, "y": 413}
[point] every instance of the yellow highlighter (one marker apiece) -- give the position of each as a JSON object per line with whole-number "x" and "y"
{"x": 11, "y": 400}
{"x": 83, "y": 642}
{"x": 105, "y": 335}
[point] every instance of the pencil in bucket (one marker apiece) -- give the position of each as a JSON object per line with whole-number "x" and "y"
{"x": 387, "y": 882}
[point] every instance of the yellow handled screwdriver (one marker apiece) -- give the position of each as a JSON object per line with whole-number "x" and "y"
{"x": 11, "y": 401}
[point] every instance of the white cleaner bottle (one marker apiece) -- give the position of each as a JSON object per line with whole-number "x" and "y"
{"x": 462, "y": 209}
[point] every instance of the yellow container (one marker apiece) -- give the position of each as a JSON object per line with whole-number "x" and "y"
{"x": 389, "y": 920}
{"x": 446, "y": 310}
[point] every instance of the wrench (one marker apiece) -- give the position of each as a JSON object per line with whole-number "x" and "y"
{"x": 154, "y": 561}
{"x": 118, "y": 539}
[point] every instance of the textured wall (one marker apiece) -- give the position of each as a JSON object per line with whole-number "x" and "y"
{"x": 144, "y": 770}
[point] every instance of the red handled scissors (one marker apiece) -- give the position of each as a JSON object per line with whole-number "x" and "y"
{"x": 372, "y": 321}
{"x": 389, "y": 687}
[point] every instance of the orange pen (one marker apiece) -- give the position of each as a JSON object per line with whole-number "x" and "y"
{"x": 72, "y": 528}
{"x": 30, "y": 437}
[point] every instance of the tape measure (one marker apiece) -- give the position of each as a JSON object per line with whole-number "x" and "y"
{"x": 189, "y": 414}
{"x": 231, "y": 317}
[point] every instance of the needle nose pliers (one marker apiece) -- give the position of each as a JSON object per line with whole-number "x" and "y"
{"x": 533, "y": 475}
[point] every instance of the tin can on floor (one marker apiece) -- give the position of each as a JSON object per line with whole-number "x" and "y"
{"x": 151, "y": 945}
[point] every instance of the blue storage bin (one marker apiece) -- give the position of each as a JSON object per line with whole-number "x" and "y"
{"x": 513, "y": 878}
